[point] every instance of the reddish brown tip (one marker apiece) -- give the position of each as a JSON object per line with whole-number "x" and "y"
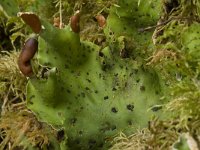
{"x": 27, "y": 53}
{"x": 101, "y": 20}
{"x": 74, "y": 22}
{"x": 32, "y": 20}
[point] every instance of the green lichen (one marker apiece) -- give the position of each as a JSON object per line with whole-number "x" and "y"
{"x": 114, "y": 95}
{"x": 94, "y": 96}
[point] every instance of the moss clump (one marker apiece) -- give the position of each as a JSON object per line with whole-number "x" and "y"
{"x": 21, "y": 129}
{"x": 12, "y": 82}
{"x": 158, "y": 135}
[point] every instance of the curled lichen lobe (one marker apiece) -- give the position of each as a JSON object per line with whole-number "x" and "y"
{"x": 24, "y": 62}
{"x": 32, "y": 20}
{"x": 74, "y": 22}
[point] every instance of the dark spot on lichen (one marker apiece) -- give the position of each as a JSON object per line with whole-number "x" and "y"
{"x": 31, "y": 97}
{"x": 101, "y": 54}
{"x": 80, "y": 133}
{"x": 138, "y": 80}
{"x": 88, "y": 80}
{"x": 68, "y": 91}
{"x": 126, "y": 84}
{"x": 105, "y": 66}
{"x": 130, "y": 107}
{"x": 106, "y": 97}
{"x": 121, "y": 66}
{"x": 100, "y": 75}
{"x": 87, "y": 88}
{"x": 116, "y": 74}
{"x": 142, "y": 88}
{"x": 136, "y": 71}
{"x": 73, "y": 121}
{"x": 83, "y": 55}
{"x": 8, "y": 3}
{"x": 83, "y": 94}
{"x": 131, "y": 74}
{"x": 60, "y": 135}
{"x": 95, "y": 91}
{"x": 114, "y": 89}
{"x": 59, "y": 114}
{"x": 114, "y": 110}
{"x": 30, "y": 102}
{"x": 78, "y": 73}
{"x": 130, "y": 122}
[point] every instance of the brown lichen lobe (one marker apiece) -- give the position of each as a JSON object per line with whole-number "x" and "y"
{"x": 74, "y": 22}
{"x": 27, "y": 53}
{"x": 32, "y": 20}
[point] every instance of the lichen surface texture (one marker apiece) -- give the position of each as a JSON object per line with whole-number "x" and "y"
{"x": 94, "y": 97}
